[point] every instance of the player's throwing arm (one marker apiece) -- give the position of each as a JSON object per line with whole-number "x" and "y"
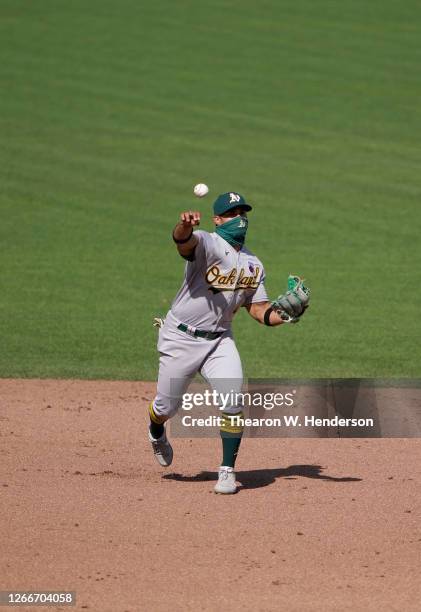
{"x": 183, "y": 232}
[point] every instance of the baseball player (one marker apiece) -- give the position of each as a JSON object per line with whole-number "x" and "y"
{"x": 221, "y": 275}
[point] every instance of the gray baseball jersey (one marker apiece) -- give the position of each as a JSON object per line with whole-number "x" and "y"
{"x": 217, "y": 282}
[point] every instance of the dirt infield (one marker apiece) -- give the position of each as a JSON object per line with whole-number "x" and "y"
{"x": 316, "y": 525}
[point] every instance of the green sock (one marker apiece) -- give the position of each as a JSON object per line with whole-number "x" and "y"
{"x": 156, "y": 429}
{"x": 156, "y": 424}
{"x": 230, "y": 445}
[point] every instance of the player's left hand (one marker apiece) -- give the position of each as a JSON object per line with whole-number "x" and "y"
{"x": 294, "y": 302}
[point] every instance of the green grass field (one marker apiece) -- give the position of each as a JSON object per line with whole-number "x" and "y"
{"x": 110, "y": 112}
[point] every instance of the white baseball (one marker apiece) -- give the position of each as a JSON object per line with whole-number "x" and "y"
{"x": 200, "y": 190}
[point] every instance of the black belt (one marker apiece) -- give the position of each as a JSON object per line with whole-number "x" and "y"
{"x": 199, "y": 333}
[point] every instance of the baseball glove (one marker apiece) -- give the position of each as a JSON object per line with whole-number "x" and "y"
{"x": 291, "y": 305}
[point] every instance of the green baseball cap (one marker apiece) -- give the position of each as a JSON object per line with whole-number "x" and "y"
{"x": 227, "y": 201}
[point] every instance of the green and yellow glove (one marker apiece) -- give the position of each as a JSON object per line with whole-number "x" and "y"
{"x": 291, "y": 305}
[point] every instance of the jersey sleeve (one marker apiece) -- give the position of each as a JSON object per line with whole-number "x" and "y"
{"x": 200, "y": 253}
{"x": 260, "y": 294}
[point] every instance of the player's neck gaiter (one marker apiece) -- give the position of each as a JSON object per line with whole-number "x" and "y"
{"x": 233, "y": 231}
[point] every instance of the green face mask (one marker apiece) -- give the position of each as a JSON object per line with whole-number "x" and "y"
{"x": 233, "y": 231}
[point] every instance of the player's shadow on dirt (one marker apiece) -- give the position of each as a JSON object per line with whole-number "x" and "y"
{"x": 254, "y": 479}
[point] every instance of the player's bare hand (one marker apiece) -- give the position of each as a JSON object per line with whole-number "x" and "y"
{"x": 190, "y": 218}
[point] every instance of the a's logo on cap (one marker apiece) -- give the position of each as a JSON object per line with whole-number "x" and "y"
{"x": 234, "y": 197}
